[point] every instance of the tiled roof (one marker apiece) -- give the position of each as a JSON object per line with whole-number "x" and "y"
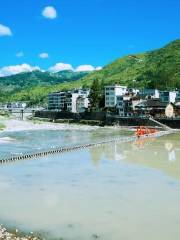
{"x": 151, "y": 103}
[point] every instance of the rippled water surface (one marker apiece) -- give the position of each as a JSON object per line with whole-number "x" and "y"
{"x": 116, "y": 191}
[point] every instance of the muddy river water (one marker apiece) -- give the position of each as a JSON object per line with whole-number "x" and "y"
{"x": 118, "y": 191}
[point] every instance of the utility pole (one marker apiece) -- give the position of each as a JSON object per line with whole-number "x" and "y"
{"x": 22, "y": 114}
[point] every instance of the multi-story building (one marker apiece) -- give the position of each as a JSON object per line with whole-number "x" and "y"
{"x": 67, "y": 101}
{"x": 56, "y": 101}
{"x": 120, "y": 105}
{"x": 111, "y": 93}
{"x": 178, "y": 96}
{"x": 70, "y": 102}
{"x": 82, "y": 103}
{"x": 126, "y": 105}
{"x": 149, "y": 93}
{"x": 168, "y": 96}
{"x": 77, "y": 100}
{"x": 132, "y": 91}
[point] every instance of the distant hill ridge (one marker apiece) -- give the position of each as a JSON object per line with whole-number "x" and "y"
{"x": 153, "y": 69}
{"x": 37, "y": 78}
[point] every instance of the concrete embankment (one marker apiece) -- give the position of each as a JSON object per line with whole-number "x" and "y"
{"x": 103, "y": 118}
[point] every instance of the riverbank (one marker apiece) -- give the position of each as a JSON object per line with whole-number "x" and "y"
{"x": 14, "y": 125}
{"x": 27, "y": 125}
{"x": 17, "y": 235}
{"x": 105, "y": 119}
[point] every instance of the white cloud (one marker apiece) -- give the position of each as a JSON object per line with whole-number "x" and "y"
{"x": 5, "y": 31}
{"x": 49, "y": 12}
{"x": 20, "y": 54}
{"x": 11, "y": 70}
{"x": 15, "y": 69}
{"x": 65, "y": 66}
{"x": 87, "y": 68}
{"x": 60, "y": 67}
{"x": 98, "y": 68}
{"x": 43, "y": 55}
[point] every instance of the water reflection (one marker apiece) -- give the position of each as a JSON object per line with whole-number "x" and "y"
{"x": 171, "y": 151}
{"x": 160, "y": 153}
{"x": 14, "y": 143}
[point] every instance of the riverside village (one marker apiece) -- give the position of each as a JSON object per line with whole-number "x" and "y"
{"x": 89, "y": 120}
{"x": 107, "y": 105}
{"x": 123, "y": 136}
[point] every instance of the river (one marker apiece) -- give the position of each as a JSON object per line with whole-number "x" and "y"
{"x": 111, "y": 192}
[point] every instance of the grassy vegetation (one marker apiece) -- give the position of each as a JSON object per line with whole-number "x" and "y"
{"x": 2, "y": 126}
{"x": 155, "y": 69}
{"x": 159, "y": 68}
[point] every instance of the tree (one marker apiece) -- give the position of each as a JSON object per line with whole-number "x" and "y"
{"x": 95, "y": 94}
{"x": 102, "y": 95}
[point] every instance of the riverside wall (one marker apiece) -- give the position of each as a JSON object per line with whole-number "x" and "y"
{"x": 170, "y": 122}
{"x": 101, "y": 118}
{"x": 96, "y": 118}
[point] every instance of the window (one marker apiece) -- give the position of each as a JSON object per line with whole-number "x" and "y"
{"x": 166, "y": 94}
{"x": 120, "y": 103}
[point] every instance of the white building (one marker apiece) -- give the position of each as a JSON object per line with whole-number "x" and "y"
{"x": 149, "y": 93}
{"x": 111, "y": 93}
{"x": 67, "y": 101}
{"x": 16, "y": 105}
{"x": 82, "y": 103}
{"x": 168, "y": 96}
{"x": 132, "y": 91}
{"x": 70, "y": 102}
{"x": 77, "y": 100}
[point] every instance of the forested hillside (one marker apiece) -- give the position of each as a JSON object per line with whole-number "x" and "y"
{"x": 154, "y": 69}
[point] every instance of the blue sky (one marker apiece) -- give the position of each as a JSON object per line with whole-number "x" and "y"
{"x": 83, "y": 32}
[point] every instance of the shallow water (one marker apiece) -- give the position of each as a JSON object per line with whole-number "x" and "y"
{"x": 15, "y": 143}
{"x": 116, "y": 191}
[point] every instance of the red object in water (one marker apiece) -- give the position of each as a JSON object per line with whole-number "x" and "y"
{"x": 141, "y": 131}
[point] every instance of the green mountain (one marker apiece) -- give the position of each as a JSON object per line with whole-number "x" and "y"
{"x": 38, "y": 78}
{"x": 154, "y": 69}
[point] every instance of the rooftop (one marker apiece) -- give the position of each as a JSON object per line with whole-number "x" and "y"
{"x": 151, "y": 103}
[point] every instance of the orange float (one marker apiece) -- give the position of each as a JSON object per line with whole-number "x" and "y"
{"x": 141, "y": 131}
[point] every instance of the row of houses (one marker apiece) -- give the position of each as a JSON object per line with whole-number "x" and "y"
{"x": 128, "y": 102}
{"x": 13, "y": 105}
{"x": 119, "y": 100}
{"x": 112, "y": 94}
